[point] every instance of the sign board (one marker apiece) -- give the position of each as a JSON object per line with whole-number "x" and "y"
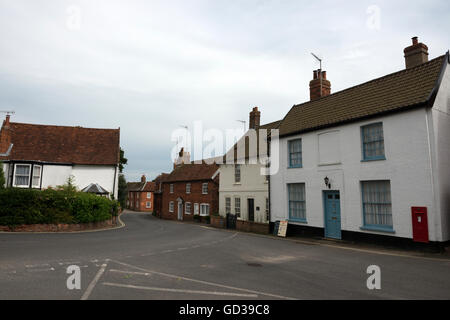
{"x": 282, "y": 229}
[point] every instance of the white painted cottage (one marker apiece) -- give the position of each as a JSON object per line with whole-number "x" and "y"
{"x": 244, "y": 189}
{"x": 43, "y": 156}
{"x": 372, "y": 160}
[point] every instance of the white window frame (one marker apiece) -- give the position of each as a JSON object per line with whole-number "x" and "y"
{"x": 196, "y": 209}
{"x": 203, "y": 205}
{"x": 148, "y": 205}
{"x": 149, "y": 195}
{"x": 188, "y": 188}
{"x": 237, "y": 210}
{"x": 33, "y": 176}
{"x": 203, "y": 188}
{"x": 171, "y": 206}
{"x": 227, "y": 205}
{"x": 171, "y": 188}
{"x": 237, "y": 174}
{"x": 186, "y": 211}
{"x": 15, "y": 173}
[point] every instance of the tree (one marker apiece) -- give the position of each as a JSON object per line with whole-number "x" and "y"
{"x": 122, "y": 193}
{"x": 2, "y": 176}
{"x": 122, "y": 190}
{"x": 123, "y": 161}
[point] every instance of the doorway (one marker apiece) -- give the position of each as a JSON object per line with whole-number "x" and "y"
{"x": 332, "y": 208}
{"x": 251, "y": 209}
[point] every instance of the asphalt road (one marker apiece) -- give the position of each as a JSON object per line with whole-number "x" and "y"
{"x": 156, "y": 259}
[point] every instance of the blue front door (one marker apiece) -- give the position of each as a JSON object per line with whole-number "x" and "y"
{"x": 332, "y": 205}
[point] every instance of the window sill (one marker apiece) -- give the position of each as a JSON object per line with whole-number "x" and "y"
{"x": 298, "y": 220}
{"x": 373, "y": 159}
{"x": 295, "y": 167}
{"x": 378, "y": 229}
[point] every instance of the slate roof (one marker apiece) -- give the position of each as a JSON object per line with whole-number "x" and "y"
{"x": 95, "y": 188}
{"x": 192, "y": 172}
{"x": 254, "y": 153}
{"x": 394, "y": 92}
{"x": 60, "y": 144}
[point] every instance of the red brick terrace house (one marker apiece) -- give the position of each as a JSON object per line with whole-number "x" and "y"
{"x": 43, "y": 156}
{"x": 157, "y": 207}
{"x": 141, "y": 195}
{"x": 191, "y": 190}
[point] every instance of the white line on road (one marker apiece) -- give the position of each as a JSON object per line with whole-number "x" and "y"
{"x": 94, "y": 282}
{"x": 41, "y": 269}
{"x": 131, "y": 272}
{"x": 216, "y": 293}
{"x": 205, "y": 282}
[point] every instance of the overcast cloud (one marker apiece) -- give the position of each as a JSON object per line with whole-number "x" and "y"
{"x": 150, "y": 66}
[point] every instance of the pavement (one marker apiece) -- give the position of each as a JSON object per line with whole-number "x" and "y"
{"x": 151, "y": 258}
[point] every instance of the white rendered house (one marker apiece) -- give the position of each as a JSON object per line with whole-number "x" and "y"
{"x": 43, "y": 156}
{"x": 373, "y": 159}
{"x": 243, "y": 189}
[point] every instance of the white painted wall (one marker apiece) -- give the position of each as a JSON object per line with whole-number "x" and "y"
{"x": 439, "y": 120}
{"x": 407, "y": 166}
{"x": 56, "y": 175}
{"x": 53, "y": 176}
{"x": 103, "y": 175}
{"x": 253, "y": 186}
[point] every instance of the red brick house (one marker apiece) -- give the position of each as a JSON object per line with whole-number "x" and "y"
{"x": 141, "y": 195}
{"x": 191, "y": 190}
{"x": 157, "y": 208}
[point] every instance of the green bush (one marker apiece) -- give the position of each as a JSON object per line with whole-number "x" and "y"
{"x": 26, "y": 206}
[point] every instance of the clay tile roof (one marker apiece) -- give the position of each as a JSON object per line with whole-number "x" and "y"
{"x": 394, "y": 92}
{"x": 135, "y": 186}
{"x": 60, "y": 144}
{"x": 192, "y": 172}
{"x": 149, "y": 187}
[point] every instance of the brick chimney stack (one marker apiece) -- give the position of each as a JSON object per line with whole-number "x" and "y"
{"x": 319, "y": 86}
{"x": 143, "y": 178}
{"x": 5, "y": 135}
{"x": 255, "y": 118}
{"x": 415, "y": 54}
{"x": 183, "y": 158}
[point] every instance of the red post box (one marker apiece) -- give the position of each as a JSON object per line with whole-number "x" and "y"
{"x": 420, "y": 224}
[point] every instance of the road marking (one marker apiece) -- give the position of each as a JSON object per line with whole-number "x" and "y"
{"x": 216, "y": 293}
{"x": 205, "y": 282}
{"x": 93, "y": 282}
{"x": 37, "y": 265}
{"x": 41, "y": 270}
{"x": 131, "y": 272}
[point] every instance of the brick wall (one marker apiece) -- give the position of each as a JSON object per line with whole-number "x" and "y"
{"x": 61, "y": 227}
{"x": 137, "y": 201}
{"x": 247, "y": 226}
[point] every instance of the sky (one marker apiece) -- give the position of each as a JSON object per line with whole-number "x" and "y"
{"x": 151, "y": 67}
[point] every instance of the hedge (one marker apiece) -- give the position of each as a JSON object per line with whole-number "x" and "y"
{"x": 27, "y": 206}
